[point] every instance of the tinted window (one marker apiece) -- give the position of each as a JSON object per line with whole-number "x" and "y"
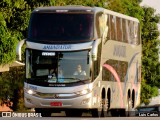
{"x": 61, "y": 26}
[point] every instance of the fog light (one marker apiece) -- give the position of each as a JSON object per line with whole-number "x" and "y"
{"x": 85, "y": 101}
{"x": 28, "y": 100}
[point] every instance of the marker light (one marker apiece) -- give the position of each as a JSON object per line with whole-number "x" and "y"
{"x": 61, "y": 10}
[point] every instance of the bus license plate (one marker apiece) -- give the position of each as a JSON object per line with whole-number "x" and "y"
{"x": 56, "y": 103}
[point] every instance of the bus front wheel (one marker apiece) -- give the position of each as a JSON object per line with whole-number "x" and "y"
{"x": 73, "y": 113}
{"x": 102, "y": 111}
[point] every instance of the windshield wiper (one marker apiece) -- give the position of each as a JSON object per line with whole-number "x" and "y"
{"x": 83, "y": 81}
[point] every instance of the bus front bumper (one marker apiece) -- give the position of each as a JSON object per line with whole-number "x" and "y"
{"x": 84, "y": 101}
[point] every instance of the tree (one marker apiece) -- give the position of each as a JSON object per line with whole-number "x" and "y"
{"x": 11, "y": 85}
{"x": 7, "y": 43}
{"x": 151, "y": 66}
{"x": 116, "y": 5}
{"x": 13, "y": 23}
{"x": 16, "y": 15}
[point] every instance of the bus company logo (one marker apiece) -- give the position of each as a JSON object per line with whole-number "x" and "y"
{"x": 119, "y": 51}
{"x": 6, "y": 114}
{"x": 55, "y": 96}
{"x": 57, "y": 85}
{"x": 48, "y": 53}
{"x": 57, "y": 47}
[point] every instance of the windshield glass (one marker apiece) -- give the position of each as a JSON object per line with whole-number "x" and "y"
{"x": 57, "y": 67}
{"x": 61, "y": 26}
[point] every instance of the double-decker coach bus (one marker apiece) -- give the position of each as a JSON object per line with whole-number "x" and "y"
{"x": 82, "y": 58}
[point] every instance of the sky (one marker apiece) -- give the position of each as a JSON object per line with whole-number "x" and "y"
{"x": 152, "y": 3}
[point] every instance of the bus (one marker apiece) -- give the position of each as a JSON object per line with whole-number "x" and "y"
{"x": 104, "y": 45}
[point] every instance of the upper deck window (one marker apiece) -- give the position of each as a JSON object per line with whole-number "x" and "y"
{"x": 55, "y": 26}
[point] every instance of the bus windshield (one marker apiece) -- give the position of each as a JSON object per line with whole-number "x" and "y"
{"x": 61, "y": 26}
{"x": 57, "y": 67}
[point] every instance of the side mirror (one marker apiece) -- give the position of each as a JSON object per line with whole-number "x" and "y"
{"x": 95, "y": 49}
{"x": 18, "y": 49}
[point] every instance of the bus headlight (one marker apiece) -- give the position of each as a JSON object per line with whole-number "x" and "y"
{"x": 83, "y": 92}
{"x": 30, "y": 91}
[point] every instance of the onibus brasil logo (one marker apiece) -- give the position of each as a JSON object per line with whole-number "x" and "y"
{"x": 19, "y": 114}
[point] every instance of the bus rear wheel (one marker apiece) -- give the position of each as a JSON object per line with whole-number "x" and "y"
{"x": 129, "y": 107}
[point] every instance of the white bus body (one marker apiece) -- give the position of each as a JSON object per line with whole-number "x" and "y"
{"x": 109, "y": 52}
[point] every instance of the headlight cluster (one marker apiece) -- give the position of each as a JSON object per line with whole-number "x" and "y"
{"x": 83, "y": 92}
{"x": 30, "y": 91}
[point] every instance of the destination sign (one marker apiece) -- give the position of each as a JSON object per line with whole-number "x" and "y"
{"x": 48, "y": 53}
{"x": 57, "y": 47}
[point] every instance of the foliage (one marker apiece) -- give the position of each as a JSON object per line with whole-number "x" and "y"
{"x": 127, "y": 7}
{"x": 116, "y": 5}
{"x": 7, "y": 43}
{"x": 11, "y": 85}
{"x": 14, "y": 16}
{"x": 151, "y": 66}
{"x": 147, "y": 92}
{"x": 150, "y": 31}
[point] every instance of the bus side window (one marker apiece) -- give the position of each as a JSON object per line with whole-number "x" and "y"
{"x": 109, "y": 28}
{"x": 105, "y": 74}
{"x": 113, "y": 27}
{"x": 101, "y": 24}
{"x": 124, "y": 30}
{"x": 98, "y": 24}
{"x": 119, "y": 29}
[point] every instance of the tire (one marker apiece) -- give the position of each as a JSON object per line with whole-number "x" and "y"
{"x": 94, "y": 113}
{"x": 73, "y": 113}
{"x": 107, "y": 112}
{"x": 129, "y": 107}
{"x": 102, "y": 111}
{"x": 114, "y": 113}
{"x": 105, "y": 107}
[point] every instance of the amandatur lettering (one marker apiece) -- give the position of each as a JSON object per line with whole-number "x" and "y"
{"x": 57, "y": 47}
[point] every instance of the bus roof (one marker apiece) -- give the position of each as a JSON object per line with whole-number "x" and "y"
{"x": 69, "y": 7}
{"x": 121, "y": 15}
{"x": 80, "y": 8}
